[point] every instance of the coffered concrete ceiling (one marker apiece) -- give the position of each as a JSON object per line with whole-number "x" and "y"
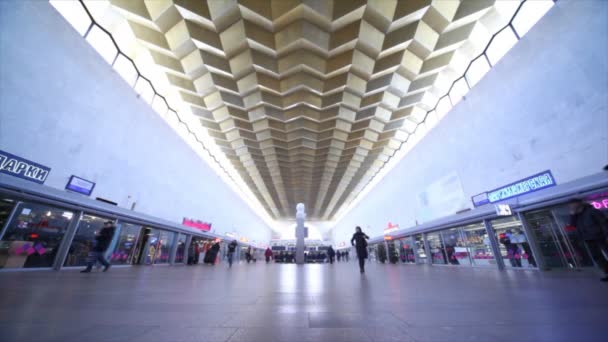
{"x": 308, "y": 100}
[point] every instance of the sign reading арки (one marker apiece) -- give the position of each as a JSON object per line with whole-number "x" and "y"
{"x": 13, "y": 165}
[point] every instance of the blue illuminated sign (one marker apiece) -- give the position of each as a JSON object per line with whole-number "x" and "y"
{"x": 13, "y": 165}
{"x": 80, "y": 185}
{"x": 537, "y": 182}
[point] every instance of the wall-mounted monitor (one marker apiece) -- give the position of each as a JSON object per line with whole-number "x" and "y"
{"x": 80, "y": 185}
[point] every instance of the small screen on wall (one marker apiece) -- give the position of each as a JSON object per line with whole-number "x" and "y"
{"x": 80, "y": 185}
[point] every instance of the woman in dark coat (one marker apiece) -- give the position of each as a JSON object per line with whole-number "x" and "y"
{"x": 361, "y": 246}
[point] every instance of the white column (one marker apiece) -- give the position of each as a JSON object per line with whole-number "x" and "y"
{"x": 300, "y": 218}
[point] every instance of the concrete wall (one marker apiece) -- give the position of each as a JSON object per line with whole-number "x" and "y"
{"x": 63, "y": 106}
{"x": 543, "y": 106}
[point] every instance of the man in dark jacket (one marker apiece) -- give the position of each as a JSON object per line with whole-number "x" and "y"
{"x": 331, "y": 254}
{"x": 361, "y": 246}
{"x": 592, "y": 227}
{"x": 103, "y": 241}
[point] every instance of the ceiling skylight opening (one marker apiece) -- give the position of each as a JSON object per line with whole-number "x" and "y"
{"x": 159, "y": 106}
{"x": 501, "y": 44}
{"x": 443, "y": 107}
{"x": 144, "y": 89}
{"x": 125, "y": 69}
{"x": 529, "y": 14}
{"x": 459, "y": 90}
{"x": 478, "y": 69}
{"x": 74, "y": 13}
{"x": 102, "y": 42}
{"x": 431, "y": 119}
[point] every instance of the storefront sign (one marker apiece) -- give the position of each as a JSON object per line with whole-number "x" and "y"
{"x": 480, "y": 199}
{"x": 528, "y": 185}
{"x": 80, "y": 185}
{"x": 197, "y": 224}
{"x": 600, "y": 204}
{"x": 22, "y": 168}
{"x": 390, "y": 228}
{"x": 503, "y": 209}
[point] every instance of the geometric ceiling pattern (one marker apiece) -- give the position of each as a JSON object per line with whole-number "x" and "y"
{"x": 308, "y": 100}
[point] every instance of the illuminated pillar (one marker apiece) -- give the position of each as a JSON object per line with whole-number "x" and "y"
{"x": 300, "y": 217}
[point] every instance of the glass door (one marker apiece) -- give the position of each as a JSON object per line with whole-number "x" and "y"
{"x": 513, "y": 243}
{"x": 393, "y": 252}
{"x": 125, "y": 249}
{"x": 408, "y": 255}
{"x": 437, "y": 248}
{"x": 419, "y": 249}
{"x": 456, "y": 251}
{"x": 84, "y": 240}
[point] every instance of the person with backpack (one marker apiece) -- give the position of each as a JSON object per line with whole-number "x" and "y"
{"x": 359, "y": 240}
{"x": 592, "y": 227}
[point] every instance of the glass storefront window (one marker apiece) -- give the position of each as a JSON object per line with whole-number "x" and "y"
{"x": 407, "y": 251}
{"x": 479, "y": 245}
{"x": 393, "y": 251}
{"x": 513, "y": 243}
{"x": 420, "y": 251}
{"x": 33, "y": 236}
{"x": 123, "y": 253}
{"x": 455, "y": 249}
{"x": 437, "y": 248}
{"x": 165, "y": 242}
{"x": 84, "y": 240}
{"x": 150, "y": 243}
{"x": 181, "y": 248}
{"x": 6, "y": 207}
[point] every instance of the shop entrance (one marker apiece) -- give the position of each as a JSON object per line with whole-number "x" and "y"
{"x": 147, "y": 247}
{"x": 559, "y": 245}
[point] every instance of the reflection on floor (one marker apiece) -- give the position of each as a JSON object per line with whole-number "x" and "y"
{"x": 271, "y": 302}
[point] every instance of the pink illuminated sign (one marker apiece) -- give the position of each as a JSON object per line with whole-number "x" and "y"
{"x": 599, "y": 203}
{"x": 197, "y": 224}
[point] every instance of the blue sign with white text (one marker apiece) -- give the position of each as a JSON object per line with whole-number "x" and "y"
{"x": 537, "y": 182}
{"x": 13, "y": 165}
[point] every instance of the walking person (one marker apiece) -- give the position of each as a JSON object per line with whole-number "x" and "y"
{"x": 592, "y": 227}
{"x": 191, "y": 252}
{"x": 359, "y": 240}
{"x": 197, "y": 252}
{"x": 248, "y": 256}
{"x": 331, "y": 254}
{"x": 231, "y": 249}
{"x": 268, "y": 254}
{"x": 103, "y": 240}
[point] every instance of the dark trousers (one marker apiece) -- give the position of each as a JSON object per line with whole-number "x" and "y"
{"x": 331, "y": 259}
{"x": 362, "y": 264}
{"x": 267, "y": 259}
{"x": 595, "y": 248}
{"x": 95, "y": 257}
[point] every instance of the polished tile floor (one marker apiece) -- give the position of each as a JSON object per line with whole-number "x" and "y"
{"x": 274, "y": 302}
